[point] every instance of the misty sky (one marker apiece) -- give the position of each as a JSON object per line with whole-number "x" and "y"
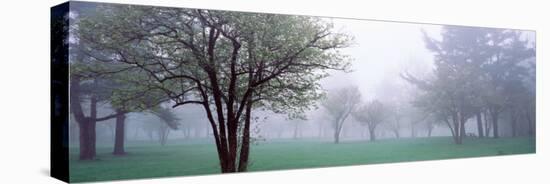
{"x": 381, "y": 51}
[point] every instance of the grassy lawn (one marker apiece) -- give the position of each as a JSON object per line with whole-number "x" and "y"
{"x": 197, "y": 157}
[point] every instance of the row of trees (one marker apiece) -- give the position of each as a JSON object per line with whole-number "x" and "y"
{"x": 346, "y": 102}
{"x": 479, "y": 72}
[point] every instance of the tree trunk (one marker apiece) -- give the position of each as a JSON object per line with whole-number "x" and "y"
{"x": 372, "y": 134}
{"x": 85, "y": 125}
{"x": 338, "y": 129}
{"x": 245, "y": 145}
{"x": 487, "y": 124}
{"x": 337, "y": 135}
{"x": 494, "y": 118}
{"x": 462, "y": 129}
{"x": 119, "y": 134}
{"x": 413, "y": 130}
{"x": 451, "y": 127}
{"x": 456, "y": 123}
{"x": 479, "y": 125}
{"x": 513, "y": 123}
{"x": 396, "y": 133}
{"x": 92, "y": 126}
{"x": 84, "y": 141}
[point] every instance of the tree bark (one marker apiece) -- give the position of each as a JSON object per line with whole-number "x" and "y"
{"x": 245, "y": 145}
{"x": 479, "y": 125}
{"x": 84, "y": 123}
{"x": 84, "y": 140}
{"x": 92, "y": 125}
{"x": 119, "y": 134}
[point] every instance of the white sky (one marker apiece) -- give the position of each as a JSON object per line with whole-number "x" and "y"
{"x": 381, "y": 51}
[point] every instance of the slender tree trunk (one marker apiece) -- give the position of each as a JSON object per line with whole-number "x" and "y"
{"x": 430, "y": 129}
{"x": 337, "y": 135}
{"x": 413, "y": 130}
{"x": 396, "y": 133}
{"x": 462, "y": 121}
{"x": 338, "y": 128}
{"x": 119, "y": 134}
{"x": 92, "y": 126}
{"x": 513, "y": 123}
{"x": 245, "y": 145}
{"x": 487, "y": 124}
{"x": 479, "y": 125}
{"x": 372, "y": 134}
{"x": 494, "y": 118}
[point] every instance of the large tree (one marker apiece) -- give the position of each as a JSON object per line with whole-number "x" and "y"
{"x": 340, "y": 104}
{"x": 227, "y": 62}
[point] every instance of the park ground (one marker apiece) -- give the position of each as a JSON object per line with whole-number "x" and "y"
{"x": 198, "y": 157}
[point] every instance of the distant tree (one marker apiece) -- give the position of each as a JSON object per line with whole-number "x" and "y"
{"x": 396, "y": 113}
{"x": 170, "y": 123}
{"x": 371, "y": 115}
{"x": 339, "y": 104}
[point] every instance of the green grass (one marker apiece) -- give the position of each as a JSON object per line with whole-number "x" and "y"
{"x": 197, "y": 157}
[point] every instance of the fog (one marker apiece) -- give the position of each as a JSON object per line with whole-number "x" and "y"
{"x": 379, "y": 53}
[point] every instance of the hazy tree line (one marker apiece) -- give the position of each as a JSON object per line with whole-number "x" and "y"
{"x": 480, "y": 74}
